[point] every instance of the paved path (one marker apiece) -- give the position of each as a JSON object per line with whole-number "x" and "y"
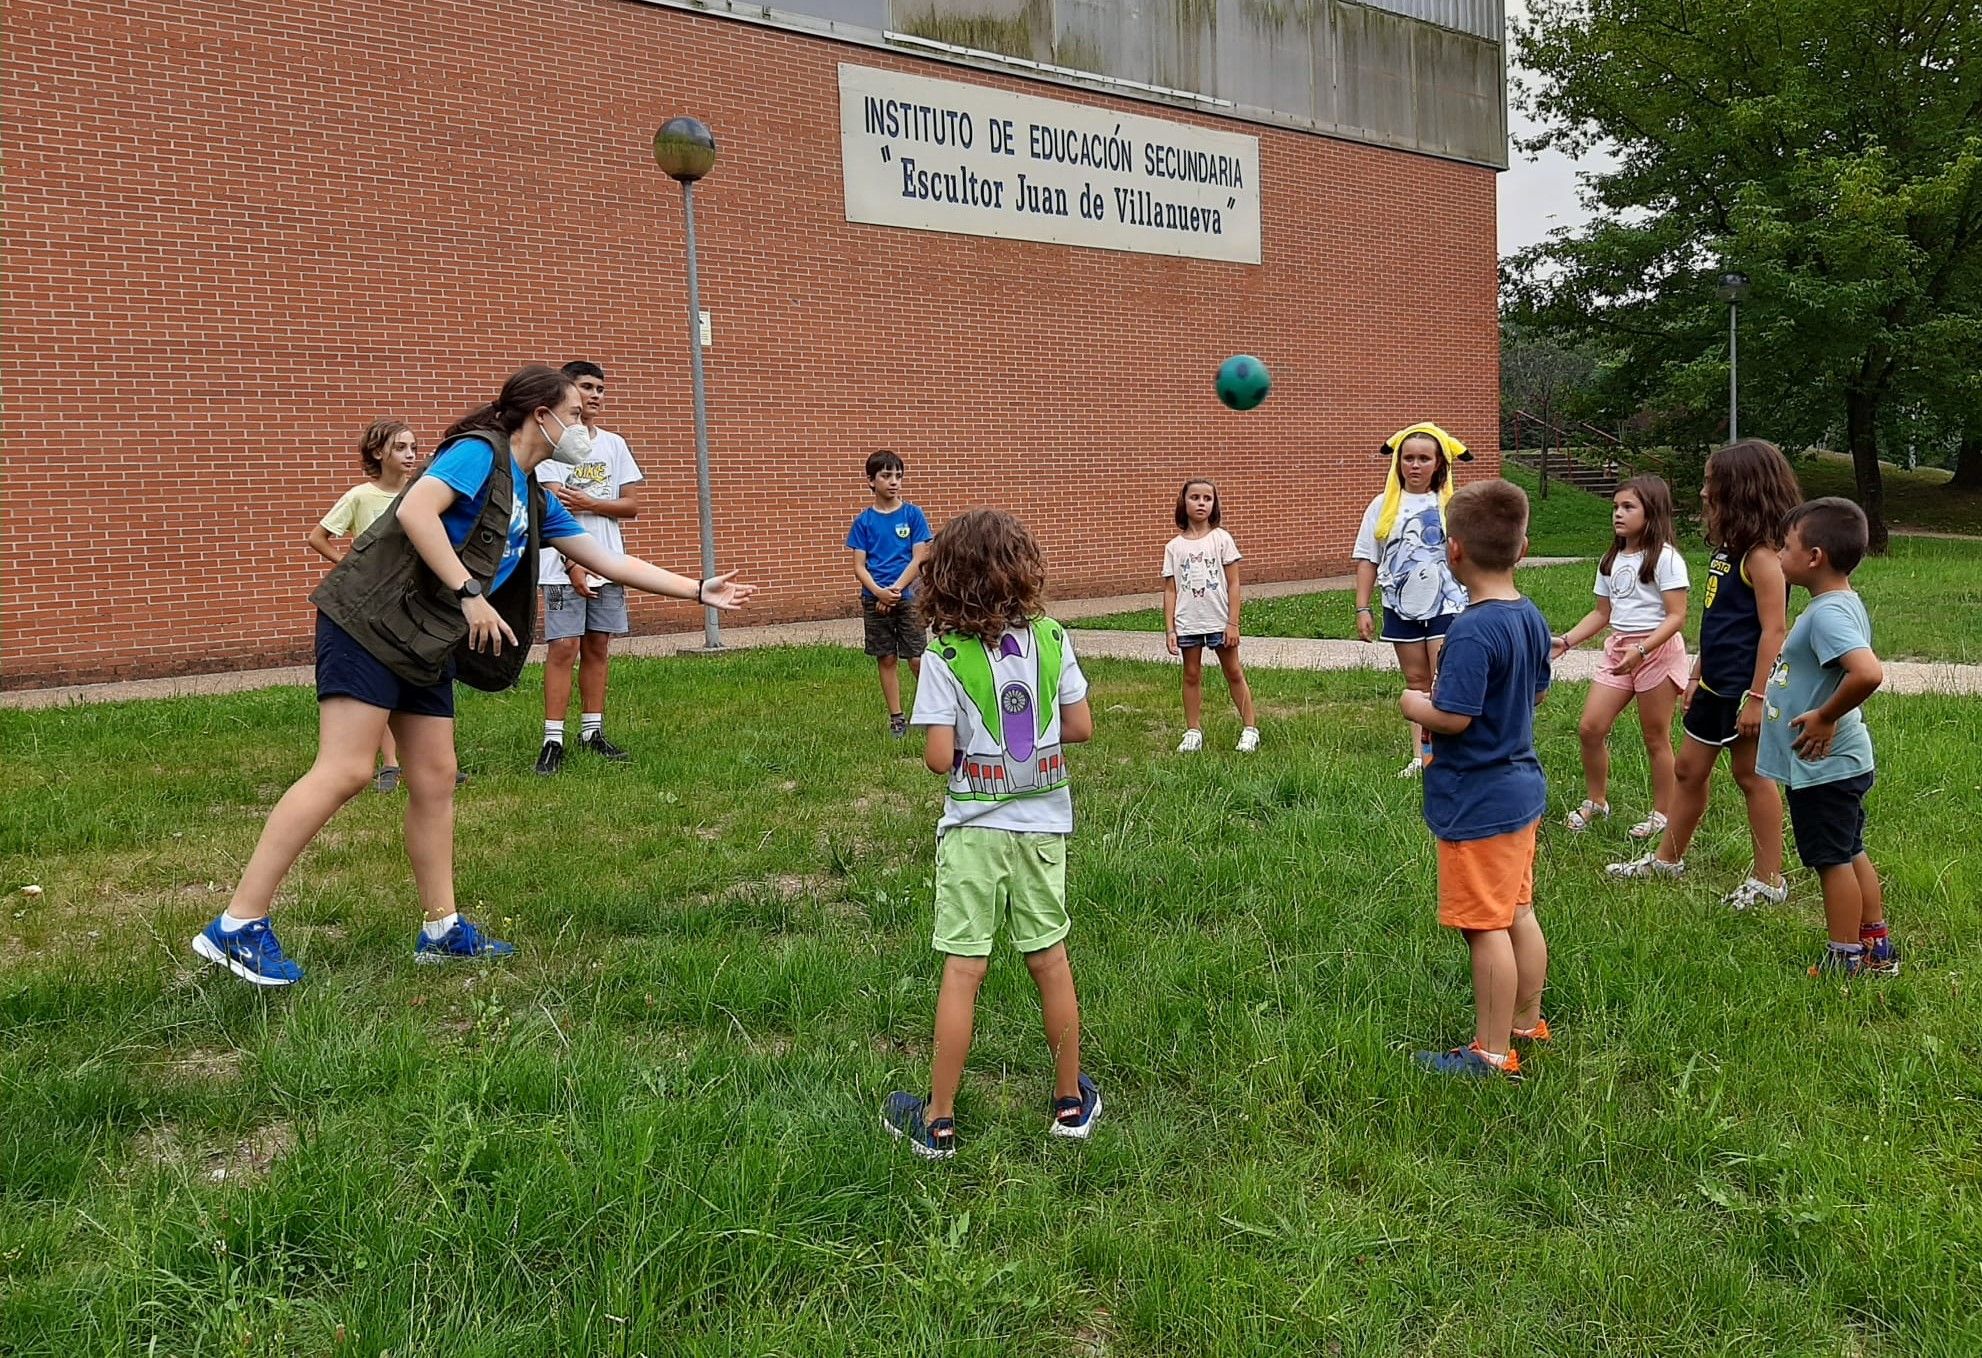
{"x": 1289, "y": 653}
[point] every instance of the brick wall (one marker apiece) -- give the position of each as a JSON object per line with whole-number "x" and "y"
{"x": 237, "y": 230}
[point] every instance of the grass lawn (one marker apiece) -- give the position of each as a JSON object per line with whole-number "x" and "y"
{"x": 654, "y": 1131}
{"x": 1925, "y": 598}
{"x": 1914, "y": 499}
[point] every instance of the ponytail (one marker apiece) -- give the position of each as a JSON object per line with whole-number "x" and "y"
{"x": 528, "y": 389}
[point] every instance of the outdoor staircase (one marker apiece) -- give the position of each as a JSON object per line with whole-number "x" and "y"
{"x": 1566, "y": 467}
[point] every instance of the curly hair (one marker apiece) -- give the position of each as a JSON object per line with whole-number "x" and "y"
{"x": 984, "y": 574}
{"x": 1748, "y": 491}
{"x": 1656, "y": 497}
{"x": 376, "y": 442}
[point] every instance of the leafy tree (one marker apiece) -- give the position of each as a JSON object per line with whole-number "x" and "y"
{"x": 1829, "y": 149}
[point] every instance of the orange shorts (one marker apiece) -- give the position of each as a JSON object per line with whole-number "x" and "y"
{"x": 1484, "y": 883}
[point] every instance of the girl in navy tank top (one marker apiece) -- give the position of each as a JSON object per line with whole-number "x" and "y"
{"x": 1748, "y": 490}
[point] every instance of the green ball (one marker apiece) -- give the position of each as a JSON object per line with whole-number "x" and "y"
{"x": 1243, "y": 381}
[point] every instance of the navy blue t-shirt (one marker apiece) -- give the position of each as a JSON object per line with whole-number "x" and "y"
{"x": 889, "y": 540}
{"x": 1486, "y": 780}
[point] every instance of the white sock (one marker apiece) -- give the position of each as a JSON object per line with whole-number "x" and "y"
{"x": 592, "y": 724}
{"x": 436, "y": 929}
{"x": 554, "y": 732}
{"x": 230, "y": 925}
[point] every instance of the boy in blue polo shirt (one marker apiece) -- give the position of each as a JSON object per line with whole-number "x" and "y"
{"x": 1484, "y": 788}
{"x": 889, "y": 540}
{"x": 1814, "y": 740}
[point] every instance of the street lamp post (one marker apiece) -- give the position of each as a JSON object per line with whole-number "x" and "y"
{"x": 1733, "y": 287}
{"x": 685, "y": 150}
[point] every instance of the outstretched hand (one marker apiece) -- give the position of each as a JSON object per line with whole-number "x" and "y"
{"x": 723, "y": 591}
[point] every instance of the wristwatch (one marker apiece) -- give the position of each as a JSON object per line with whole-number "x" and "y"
{"x": 471, "y": 589}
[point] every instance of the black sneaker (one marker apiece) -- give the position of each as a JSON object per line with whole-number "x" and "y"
{"x": 551, "y": 759}
{"x": 597, "y": 744}
{"x": 898, "y": 726}
{"x": 386, "y": 779}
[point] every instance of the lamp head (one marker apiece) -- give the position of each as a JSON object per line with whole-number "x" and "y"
{"x": 1732, "y": 287}
{"x": 685, "y": 149}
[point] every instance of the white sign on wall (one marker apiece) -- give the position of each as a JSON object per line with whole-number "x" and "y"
{"x": 944, "y": 155}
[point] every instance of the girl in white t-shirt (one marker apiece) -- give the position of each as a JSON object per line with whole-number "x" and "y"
{"x": 1400, "y": 558}
{"x": 1201, "y": 609}
{"x": 1641, "y": 596}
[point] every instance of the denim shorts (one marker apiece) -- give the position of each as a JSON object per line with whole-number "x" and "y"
{"x": 1828, "y": 820}
{"x": 346, "y": 669}
{"x": 567, "y": 613}
{"x": 1198, "y": 641}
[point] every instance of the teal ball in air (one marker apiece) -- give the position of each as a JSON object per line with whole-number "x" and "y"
{"x": 1243, "y": 381}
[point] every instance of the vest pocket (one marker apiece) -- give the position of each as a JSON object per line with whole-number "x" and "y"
{"x": 422, "y": 628}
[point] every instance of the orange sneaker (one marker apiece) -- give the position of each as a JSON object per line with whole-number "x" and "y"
{"x": 1538, "y": 1033}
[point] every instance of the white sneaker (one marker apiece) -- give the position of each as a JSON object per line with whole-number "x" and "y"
{"x": 1248, "y": 740}
{"x": 1754, "y": 892}
{"x": 1650, "y": 865}
{"x": 1586, "y": 815}
{"x": 1412, "y": 769}
{"x": 1192, "y": 742}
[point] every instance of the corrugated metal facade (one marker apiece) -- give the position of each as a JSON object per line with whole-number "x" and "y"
{"x": 1419, "y": 75}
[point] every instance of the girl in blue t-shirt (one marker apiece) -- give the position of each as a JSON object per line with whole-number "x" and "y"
{"x": 359, "y": 696}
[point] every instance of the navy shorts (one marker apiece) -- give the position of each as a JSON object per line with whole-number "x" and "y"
{"x": 1829, "y": 820}
{"x": 1198, "y": 641}
{"x": 346, "y": 669}
{"x": 1712, "y": 719}
{"x": 1407, "y": 630}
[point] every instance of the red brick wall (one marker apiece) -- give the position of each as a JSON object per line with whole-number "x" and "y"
{"x": 237, "y": 230}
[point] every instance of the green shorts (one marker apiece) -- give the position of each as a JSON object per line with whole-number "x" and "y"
{"x": 989, "y": 878}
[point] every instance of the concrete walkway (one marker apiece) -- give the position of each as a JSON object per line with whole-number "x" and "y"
{"x": 1287, "y": 653}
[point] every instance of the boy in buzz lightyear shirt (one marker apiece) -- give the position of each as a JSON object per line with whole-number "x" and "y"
{"x": 1001, "y": 694}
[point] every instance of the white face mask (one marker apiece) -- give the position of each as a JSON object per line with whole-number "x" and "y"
{"x": 573, "y": 445}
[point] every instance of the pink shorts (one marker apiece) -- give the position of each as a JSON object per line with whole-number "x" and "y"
{"x": 1666, "y": 665}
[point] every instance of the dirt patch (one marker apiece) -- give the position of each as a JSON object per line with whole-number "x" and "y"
{"x": 245, "y": 1159}
{"x": 208, "y": 1065}
{"x": 1095, "y": 1338}
{"x": 891, "y": 803}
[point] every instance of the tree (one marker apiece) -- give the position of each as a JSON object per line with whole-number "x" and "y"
{"x": 1544, "y": 378}
{"x": 1829, "y": 149}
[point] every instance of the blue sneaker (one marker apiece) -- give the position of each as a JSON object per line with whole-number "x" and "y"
{"x": 463, "y": 940}
{"x": 1845, "y": 965}
{"x": 1470, "y": 1063}
{"x": 906, "y": 1118}
{"x": 250, "y": 952}
{"x": 1075, "y": 1117}
{"x": 1882, "y": 958}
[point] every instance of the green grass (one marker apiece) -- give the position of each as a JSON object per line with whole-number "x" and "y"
{"x": 1925, "y": 599}
{"x": 1914, "y": 499}
{"x": 1567, "y": 522}
{"x": 654, "y": 1130}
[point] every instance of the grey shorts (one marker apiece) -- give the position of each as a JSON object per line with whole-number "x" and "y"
{"x": 567, "y": 613}
{"x": 894, "y": 633}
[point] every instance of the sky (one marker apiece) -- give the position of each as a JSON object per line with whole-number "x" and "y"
{"x": 1537, "y": 192}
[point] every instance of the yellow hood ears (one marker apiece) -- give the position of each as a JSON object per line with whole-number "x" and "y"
{"x": 1455, "y": 451}
{"x": 1393, "y": 486}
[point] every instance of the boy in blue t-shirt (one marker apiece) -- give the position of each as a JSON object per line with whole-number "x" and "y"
{"x": 1484, "y": 789}
{"x": 1814, "y": 740}
{"x": 889, "y": 540}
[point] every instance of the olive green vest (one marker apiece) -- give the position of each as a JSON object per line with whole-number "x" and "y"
{"x": 385, "y": 596}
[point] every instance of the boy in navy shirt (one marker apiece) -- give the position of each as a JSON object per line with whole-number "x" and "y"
{"x": 1484, "y": 789}
{"x": 889, "y": 539}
